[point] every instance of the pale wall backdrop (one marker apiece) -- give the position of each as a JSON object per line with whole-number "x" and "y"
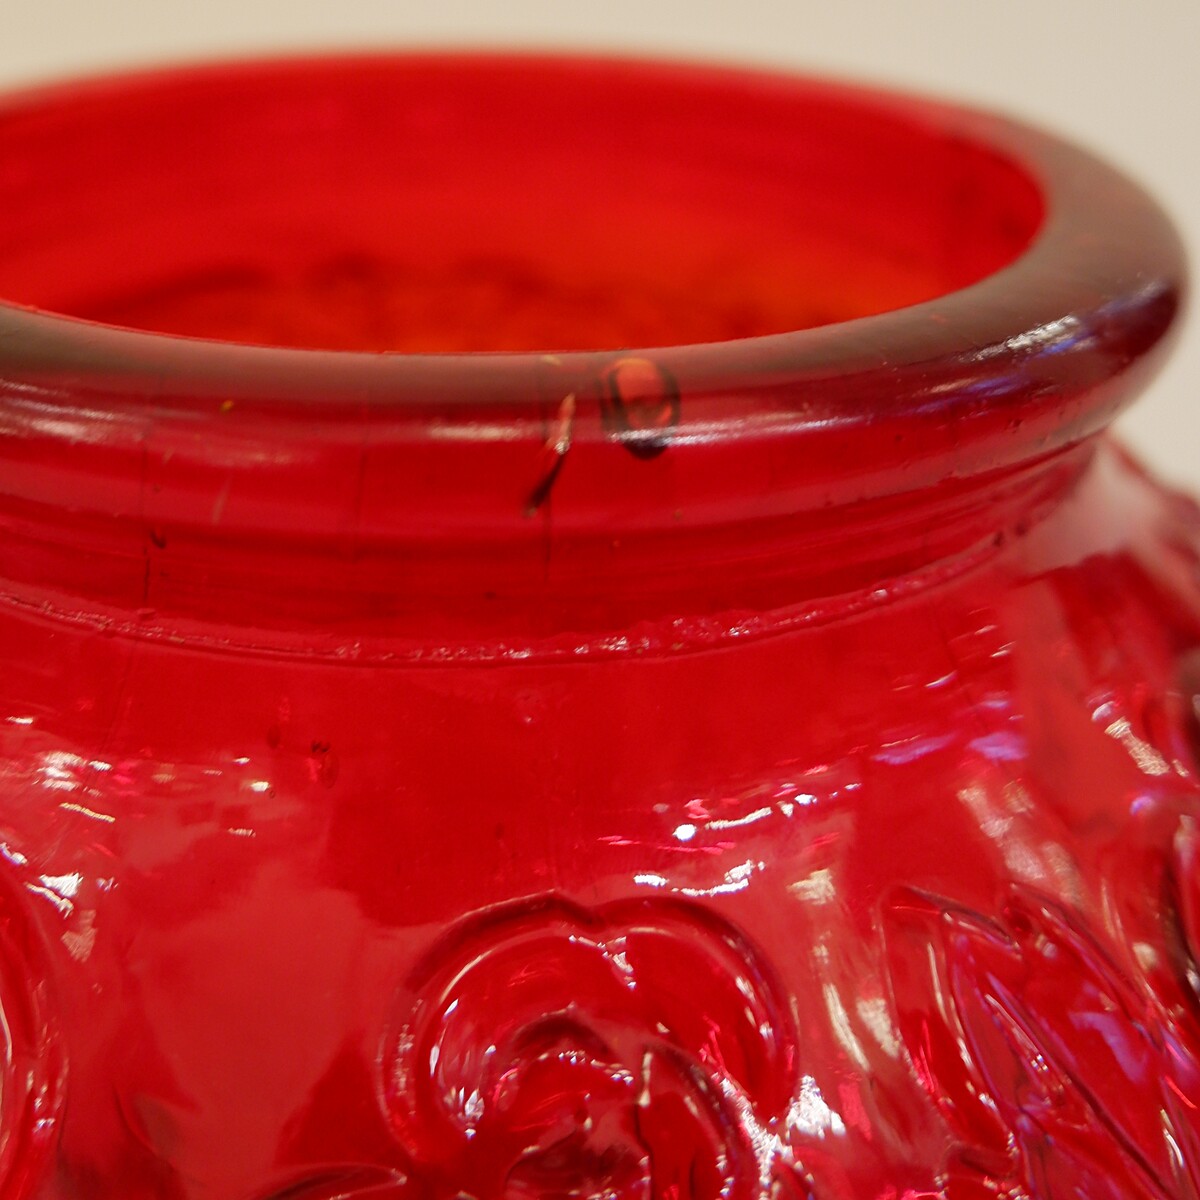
{"x": 1123, "y": 77}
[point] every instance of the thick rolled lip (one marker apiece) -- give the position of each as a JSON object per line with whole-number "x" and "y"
{"x": 1030, "y": 359}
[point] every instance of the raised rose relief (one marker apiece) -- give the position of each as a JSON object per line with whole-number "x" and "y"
{"x": 638, "y": 1050}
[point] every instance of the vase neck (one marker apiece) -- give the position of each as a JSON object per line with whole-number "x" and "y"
{"x": 536, "y": 587}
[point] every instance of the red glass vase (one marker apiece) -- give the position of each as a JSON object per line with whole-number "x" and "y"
{"x": 732, "y": 740}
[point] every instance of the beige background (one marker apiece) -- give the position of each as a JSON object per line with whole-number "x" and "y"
{"x": 1121, "y": 76}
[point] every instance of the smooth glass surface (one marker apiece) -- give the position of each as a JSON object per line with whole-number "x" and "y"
{"x": 740, "y": 746}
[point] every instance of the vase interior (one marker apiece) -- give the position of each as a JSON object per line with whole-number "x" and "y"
{"x": 501, "y": 204}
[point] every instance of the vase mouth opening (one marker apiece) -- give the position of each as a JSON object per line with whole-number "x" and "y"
{"x": 373, "y": 221}
{"x": 435, "y": 205}
{"x": 388, "y": 305}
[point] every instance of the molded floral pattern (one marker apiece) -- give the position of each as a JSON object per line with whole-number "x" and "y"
{"x": 32, "y": 1064}
{"x": 1186, "y": 879}
{"x": 1045, "y": 1060}
{"x": 644, "y": 1050}
{"x": 638, "y": 1050}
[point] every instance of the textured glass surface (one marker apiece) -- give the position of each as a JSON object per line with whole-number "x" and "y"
{"x": 761, "y": 765}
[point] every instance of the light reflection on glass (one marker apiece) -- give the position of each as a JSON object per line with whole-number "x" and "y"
{"x": 84, "y": 811}
{"x": 1149, "y": 761}
{"x": 810, "y": 1115}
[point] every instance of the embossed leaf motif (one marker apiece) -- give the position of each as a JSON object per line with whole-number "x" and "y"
{"x": 640, "y": 1050}
{"x": 32, "y": 1057}
{"x": 1038, "y": 1053}
{"x": 1187, "y": 884}
{"x": 1180, "y": 1022}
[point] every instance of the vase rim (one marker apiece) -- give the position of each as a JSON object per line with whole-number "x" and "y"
{"x": 1027, "y": 361}
{"x": 1089, "y": 205}
{"x": 1104, "y": 253}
